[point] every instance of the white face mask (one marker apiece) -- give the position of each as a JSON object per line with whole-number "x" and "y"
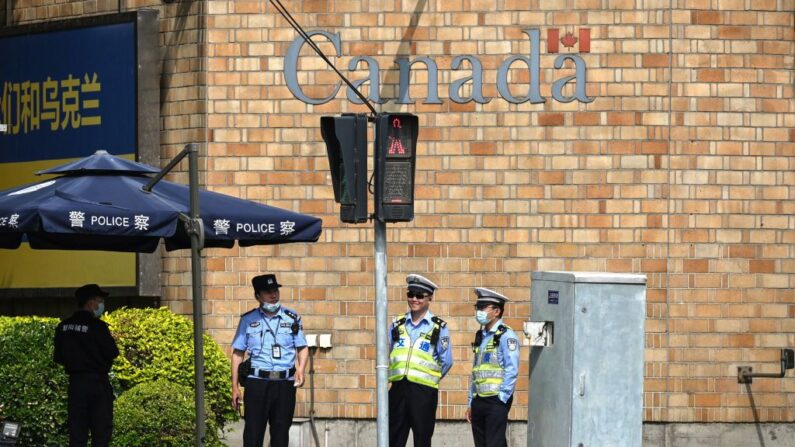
{"x": 482, "y": 317}
{"x": 99, "y": 310}
{"x": 271, "y": 308}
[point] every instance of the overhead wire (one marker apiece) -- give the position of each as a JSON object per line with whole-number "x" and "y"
{"x": 297, "y": 27}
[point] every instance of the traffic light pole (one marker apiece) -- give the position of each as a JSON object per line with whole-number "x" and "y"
{"x": 395, "y": 155}
{"x": 381, "y": 338}
{"x": 405, "y": 214}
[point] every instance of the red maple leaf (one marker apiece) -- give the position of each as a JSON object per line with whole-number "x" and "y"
{"x": 568, "y": 40}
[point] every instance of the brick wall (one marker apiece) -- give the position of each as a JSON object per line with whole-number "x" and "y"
{"x": 679, "y": 169}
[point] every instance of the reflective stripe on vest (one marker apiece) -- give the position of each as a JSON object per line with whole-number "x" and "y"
{"x": 487, "y": 376}
{"x": 412, "y": 362}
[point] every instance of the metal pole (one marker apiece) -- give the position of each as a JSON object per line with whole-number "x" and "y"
{"x": 187, "y": 150}
{"x": 745, "y": 374}
{"x": 312, "y": 395}
{"x": 381, "y": 340}
{"x": 196, "y": 283}
{"x": 195, "y": 229}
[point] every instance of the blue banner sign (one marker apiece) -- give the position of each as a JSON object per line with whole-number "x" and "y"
{"x": 68, "y": 93}
{"x": 67, "y": 89}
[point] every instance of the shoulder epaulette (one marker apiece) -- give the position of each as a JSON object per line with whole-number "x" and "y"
{"x": 396, "y": 323}
{"x": 296, "y": 326}
{"x": 501, "y": 329}
{"x": 438, "y": 324}
{"x": 252, "y": 310}
{"x": 291, "y": 314}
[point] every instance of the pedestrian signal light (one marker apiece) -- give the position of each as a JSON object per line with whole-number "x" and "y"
{"x": 395, "y": 156}
{"x": 346, "y": 145}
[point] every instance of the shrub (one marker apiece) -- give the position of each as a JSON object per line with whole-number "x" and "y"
{"x": 159, "y": 413}
{"x": 154, "y": 344}
{"x": 158, "y": 344}
{"x": 33, "y": 388}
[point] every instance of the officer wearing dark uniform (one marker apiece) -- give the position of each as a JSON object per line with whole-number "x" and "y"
{"x": 494, "y": 371}
{"x": 274, "y": 339}
{"x": 420, "y": 356}
{"x": 84, "y": 346}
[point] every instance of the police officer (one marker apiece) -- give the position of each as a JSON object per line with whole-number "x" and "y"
{"x": 420, "y": 356}
{"x": 494, "y": 371}
{"x": 274, "y": 338}
{"x": 84, "y": 346}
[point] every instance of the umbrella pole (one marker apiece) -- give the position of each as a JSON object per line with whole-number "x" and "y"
{"x": 195, "y": 229}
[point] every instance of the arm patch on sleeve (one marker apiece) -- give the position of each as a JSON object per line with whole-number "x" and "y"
{"x": 512, "y": 344}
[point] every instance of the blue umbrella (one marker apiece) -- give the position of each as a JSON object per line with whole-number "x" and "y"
{"x": 108, "y": 203}
{"x": 99, "y": 203}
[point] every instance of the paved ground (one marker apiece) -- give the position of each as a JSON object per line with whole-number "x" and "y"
{"x": 352, "y": 433}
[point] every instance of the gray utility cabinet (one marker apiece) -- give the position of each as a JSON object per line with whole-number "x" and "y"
{"x": 586, "y": 386}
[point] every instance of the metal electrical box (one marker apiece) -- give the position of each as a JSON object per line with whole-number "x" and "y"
{"x": 586, "y": 371}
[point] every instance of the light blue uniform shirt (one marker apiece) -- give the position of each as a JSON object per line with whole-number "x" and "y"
{"x": 443, "y": 352}
{"x": 508, "y": 356}
{"x": 258, "y": 333}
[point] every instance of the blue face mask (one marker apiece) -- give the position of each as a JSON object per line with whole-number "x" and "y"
{"x": 99, "y": 310}
{"x": 271, "y": 308}
{"x": 482, "y": 317}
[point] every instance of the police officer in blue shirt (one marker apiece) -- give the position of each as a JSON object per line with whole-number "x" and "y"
{"x": 494, "y": 371}
{"x": 274, "y": 338}
{"x": 420, "y": 356}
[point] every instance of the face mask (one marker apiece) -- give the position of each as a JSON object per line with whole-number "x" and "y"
{"x": 99, "y": 310}
{"x": 271, "y": 308}
{"x": 482, "y": 317}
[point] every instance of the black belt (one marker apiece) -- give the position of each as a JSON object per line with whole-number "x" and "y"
{"x": 262, "y": 374}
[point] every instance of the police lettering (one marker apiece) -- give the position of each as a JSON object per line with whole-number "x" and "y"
{"x": 110, "y": 221}
{"x": 256, "y": 227}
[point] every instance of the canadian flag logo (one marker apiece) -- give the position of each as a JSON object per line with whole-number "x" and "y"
{"x": 569, "y": 40}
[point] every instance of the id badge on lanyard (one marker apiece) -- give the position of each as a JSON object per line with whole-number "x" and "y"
{"x": 276, "y": 350}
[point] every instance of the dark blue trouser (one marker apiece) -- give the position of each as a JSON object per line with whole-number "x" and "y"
{"x": 268, "y": 402}
{"x": 90, "y": 409}
{"x": 490, "y": 421}
{"x": 412, "y": 406}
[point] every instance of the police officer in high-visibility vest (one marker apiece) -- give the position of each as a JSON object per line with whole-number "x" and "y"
{"x": 494, "y": 371}
{"x": 420, "y": 356}
{"x": 274, "y": 338}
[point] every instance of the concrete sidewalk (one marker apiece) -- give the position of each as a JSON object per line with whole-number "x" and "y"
{"x": 361, "y": 433}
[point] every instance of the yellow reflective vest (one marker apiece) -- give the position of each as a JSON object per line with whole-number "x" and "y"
{"x": 487, "y": 373}
{"x": 415, "y": 361}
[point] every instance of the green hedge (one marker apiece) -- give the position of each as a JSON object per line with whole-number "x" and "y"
{"x": 158, "y": 344}
{"x": 159, "y": 413}
{"x": 154, "y": 344}
{"x": 32, "y": 386}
